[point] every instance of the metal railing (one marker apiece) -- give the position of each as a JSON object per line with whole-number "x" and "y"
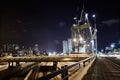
{"x": 64, "y": 70}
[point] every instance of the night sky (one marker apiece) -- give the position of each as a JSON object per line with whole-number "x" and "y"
{"x": 48, "y": 22}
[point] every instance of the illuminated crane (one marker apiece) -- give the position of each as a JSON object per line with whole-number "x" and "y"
{"x": 83, "y": 35}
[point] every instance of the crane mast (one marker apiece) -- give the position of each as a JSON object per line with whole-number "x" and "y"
{"x": 83, "y": 37}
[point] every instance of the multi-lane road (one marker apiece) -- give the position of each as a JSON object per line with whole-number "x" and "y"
{"x": 104, "y": 68}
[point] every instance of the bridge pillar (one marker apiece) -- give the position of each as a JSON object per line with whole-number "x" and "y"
{"x": 9, "y": 65}
{"x": 55, "y": 65}
{"x": 79, "y": 65}
{"x": 12, "y": 64}
{"x": 83, "y": 64}
{"x": 17, "y": 63}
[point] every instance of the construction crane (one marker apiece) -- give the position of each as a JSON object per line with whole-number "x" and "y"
{"x": 83, "y": 34}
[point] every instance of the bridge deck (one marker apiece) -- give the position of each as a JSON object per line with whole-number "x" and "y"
{"x": 42, "y": 59}
{"x": 103, "y": 69}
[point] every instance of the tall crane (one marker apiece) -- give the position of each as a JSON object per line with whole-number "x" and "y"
{"x": 82, "y": 34}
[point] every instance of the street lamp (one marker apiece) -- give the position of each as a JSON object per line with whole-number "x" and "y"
{"x": 93, "y": 15}
{"x": 95, "y": 31}
{"x": 81, "y": 39}
{"x": 74, "y": 39}
{"x": 86, "y": 15}
{"x": 112, "y": 46}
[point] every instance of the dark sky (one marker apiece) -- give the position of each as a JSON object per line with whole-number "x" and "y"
{"x": 48, "y": 22}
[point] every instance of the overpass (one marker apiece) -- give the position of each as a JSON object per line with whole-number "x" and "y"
{"x": 42, "y": 59}
{"x": 53, "y": 59}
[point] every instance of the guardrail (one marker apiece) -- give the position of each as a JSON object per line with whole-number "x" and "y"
{"x": 64, "y": 70}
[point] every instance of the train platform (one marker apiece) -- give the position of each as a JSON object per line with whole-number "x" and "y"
{"x": 103, "y": 69}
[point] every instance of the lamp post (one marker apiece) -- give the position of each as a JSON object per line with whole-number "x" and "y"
{"x": 74, "y": 44}
{"x": 112, "y": 47}
{"x": 95, "y": 32}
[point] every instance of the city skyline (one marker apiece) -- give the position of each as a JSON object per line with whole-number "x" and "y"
{"x": 48, "y": 23}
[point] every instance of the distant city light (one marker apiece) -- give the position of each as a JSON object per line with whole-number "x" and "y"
{"x": 102, "y": 50}
{"x": 86, "y": 15}
{"x": 107, "y": 48}
{"x": 54, "y": 52}
{"x": 119, "y": 42}
{"x": 92, "y": 41}
{"x": 74, "y": 18}
{"x": 74, "y": 24}
{"x": 81, "y": 39}
{"x": 49, "y": 53}
{"x": 93, "y": 15}
{"x": 94, "y": 48}
{"x": 74, "y": 39}
{"x": 112, "y": 45}
{"x": 88, "y": 45}
{"x": 84, "y": 41}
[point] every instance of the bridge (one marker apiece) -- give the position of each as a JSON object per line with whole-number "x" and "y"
{"x": 84, "y": 40}
{"x": 42, "y": 59}
{"x": 54, "y": 59}
{"x": 78, "y": 61}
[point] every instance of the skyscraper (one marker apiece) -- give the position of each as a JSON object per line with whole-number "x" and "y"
{"x": 65, "y": 47}
{"x": 69, "y": 45}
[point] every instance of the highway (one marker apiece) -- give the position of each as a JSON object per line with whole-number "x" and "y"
{"x": 104, "y": 68}
{"x": 101, "y": 68}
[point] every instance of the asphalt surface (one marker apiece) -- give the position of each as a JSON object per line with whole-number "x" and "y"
{"x": 102, "y": 69}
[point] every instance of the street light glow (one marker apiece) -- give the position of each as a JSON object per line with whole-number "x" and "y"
{"x": 74, "y": 25}
{"x": 87, "y": 45}
{"x": 74, "y": 18}
{"x": 86, "y": 15}
{"x": 74, "y": 39}
{"x": 84, "y": 41}
{"x": 92, "y": 41}
{"x": 93, "y": 15}
{"x": 81, "y": 39}
{"x": 112, "y": 45}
